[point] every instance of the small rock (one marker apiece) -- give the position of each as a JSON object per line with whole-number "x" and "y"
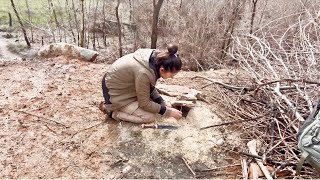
{"x": 220, "y": 142}
{"x": 127, "y": 169}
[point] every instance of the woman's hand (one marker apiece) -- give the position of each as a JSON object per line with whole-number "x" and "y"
{"x": 175, "y": 113}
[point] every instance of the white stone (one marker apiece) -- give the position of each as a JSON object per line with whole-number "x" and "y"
{"x": 68, "y": 50}
{"x": 220, "y": 142}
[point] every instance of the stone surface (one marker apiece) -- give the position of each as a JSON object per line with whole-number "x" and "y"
{"x": 68, "y": 50}
{"x": 180, "y": 92}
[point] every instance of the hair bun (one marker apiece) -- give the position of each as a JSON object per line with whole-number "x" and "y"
{"x": 172, "y": 49}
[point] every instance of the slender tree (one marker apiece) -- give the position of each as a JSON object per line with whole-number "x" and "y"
{"x": 237, "y": 7}
{"x": 94, "y": 26}
{"x": 119, "y": 28}
{"x": 131, "y": 11}
{"x": 76, "y": 21}
{"x": 70, "y": 20}
{"x": 155, "y": 19}
{"x": 21, "y": 25}
{"x": 82, "y": 37}
{"x": 49, "y": 20}
{"x": 55, "y": 18}
{"x": 88, "y": 23}
{"x": 253, "y": 14}
{"x": 104, "y": 36}
{"x": 30, "y": 20}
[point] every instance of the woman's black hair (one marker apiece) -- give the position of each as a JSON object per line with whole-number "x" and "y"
{"x": 169, "y": 59}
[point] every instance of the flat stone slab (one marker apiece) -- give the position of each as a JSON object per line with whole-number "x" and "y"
{"x": 180, "y": 92}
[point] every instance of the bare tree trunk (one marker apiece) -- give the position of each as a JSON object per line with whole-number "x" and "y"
{"x": 119, "y": 28}
{"x": 69, "y": 21}
{"x": 230, "y": 29}
{"x": 155, "y": 18}
{"x": 94, "y": 27}
{"x": 21, "y": 25}
{"x": 104, "y": 24}
{"x": 263, "y": 11}
{"x": 52, "y": 32}
{"x": 10, "y": 19}
{"x": 49, "y": 23}
{"x": 131, "y": 11}
{"x": 253, "y": 14}
{"x": 76, "y": 21}
{"x": 30, "y": 20}
{"x": 83, "y": 28}
{"x": 88, "y": 25}
{"x": 55, "y": 18}
{"x": 135, "y": 32}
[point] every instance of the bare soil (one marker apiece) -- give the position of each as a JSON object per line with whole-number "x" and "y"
{"x": 51, "y": 127}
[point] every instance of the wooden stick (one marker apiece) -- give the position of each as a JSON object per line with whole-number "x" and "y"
{"x": 269, "y": 160}
{"x": 244, "y": 166}
{"x": 290, "y": 80}
{"x": 216, "y": 168}
{"x": 234, "y": 122}
{"x": 230, "y": 87}
{"x": 252, "y": 145}
{"x": 40, "y": 117}
{"x": 289, "y": 103}
{"x": 185, "y": 162}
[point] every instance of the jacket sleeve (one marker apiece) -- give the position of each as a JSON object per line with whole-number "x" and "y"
{"x": 142, "y": 84}
{"x": 155, "y": 96}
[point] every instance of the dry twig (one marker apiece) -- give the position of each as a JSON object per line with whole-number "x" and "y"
{"x": 188, "y": 166}
{"x": 40, "y": 117}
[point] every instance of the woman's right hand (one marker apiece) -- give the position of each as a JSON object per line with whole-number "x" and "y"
{"x": 175, "y": 113}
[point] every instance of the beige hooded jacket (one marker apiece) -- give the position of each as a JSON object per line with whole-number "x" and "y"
{"x": 130, "y": 79}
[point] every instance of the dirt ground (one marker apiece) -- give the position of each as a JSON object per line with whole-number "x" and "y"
{"x": 51, "y": 127}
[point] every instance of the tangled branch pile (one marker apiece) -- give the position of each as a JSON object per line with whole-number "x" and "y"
{"x": 283, "y": 87}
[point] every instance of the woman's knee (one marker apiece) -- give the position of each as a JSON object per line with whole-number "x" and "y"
{"x": 148, "y": 118}
{"x": 135, "y": 118}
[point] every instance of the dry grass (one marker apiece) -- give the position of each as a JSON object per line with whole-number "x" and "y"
{"x": 17, "y": 48}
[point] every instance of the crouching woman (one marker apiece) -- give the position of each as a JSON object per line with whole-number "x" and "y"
{"x": 129, "y": 85}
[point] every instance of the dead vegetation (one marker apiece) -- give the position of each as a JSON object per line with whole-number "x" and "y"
{"x": 273, "y": 104}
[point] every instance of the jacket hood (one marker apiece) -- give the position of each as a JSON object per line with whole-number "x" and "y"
{"x": 142, "y": 56}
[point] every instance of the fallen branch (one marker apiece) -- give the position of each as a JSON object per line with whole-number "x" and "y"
{"x": 269, "y": 160}
{"x": 252, "y": 148}
{"x": 235, "y": 122}
{"x": 289, "y": 80}
{"x": 244, "y": 166}
{"x": 40, "y": 117}
{"x": 85, "y": 129}
{"x": 230, "y": 87}
{"x": 216, "y": 168}
{"x": 283, "y": 97}
{"x": 185, "y": 162}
